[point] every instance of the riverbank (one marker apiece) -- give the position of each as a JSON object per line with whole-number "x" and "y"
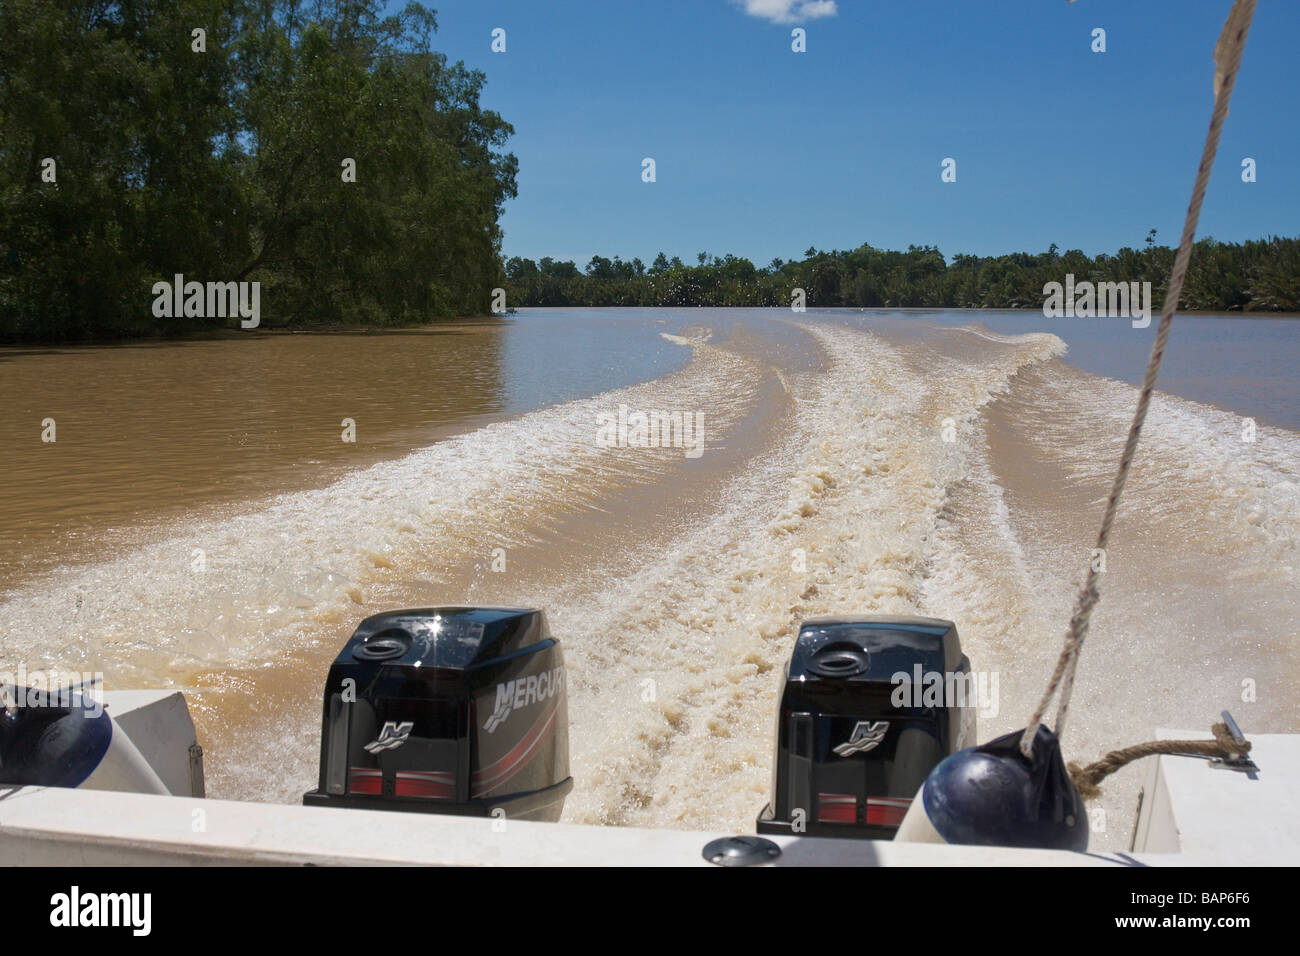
{"x": 234, "y": 332}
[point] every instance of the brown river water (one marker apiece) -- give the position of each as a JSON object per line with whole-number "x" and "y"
{"x": 201, "y": 522}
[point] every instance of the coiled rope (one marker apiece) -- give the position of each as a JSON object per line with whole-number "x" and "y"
{"x": 1227, "y": 59}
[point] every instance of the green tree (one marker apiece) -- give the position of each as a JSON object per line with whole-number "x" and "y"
{"x": 227, "y": 164}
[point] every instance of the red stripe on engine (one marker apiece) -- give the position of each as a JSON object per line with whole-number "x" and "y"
{"x": 837, "y": 808}
{"x": 431, "y": 785}
{"x": 887, "y": 811}
{"x": 364, "y": 780}
{"x": 497, "y": 773}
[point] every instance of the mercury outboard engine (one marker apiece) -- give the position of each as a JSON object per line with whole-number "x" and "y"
{"x": 447, "y": 710}
{"x": 868, "y": 708}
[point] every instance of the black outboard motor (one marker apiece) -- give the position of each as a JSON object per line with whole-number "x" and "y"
{"x": 868, "y": 708}
{"x": 447, "y": 710}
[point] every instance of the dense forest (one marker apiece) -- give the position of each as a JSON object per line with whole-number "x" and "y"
{"x": 1252, "y": 276}
{"x": 142, "y": 139}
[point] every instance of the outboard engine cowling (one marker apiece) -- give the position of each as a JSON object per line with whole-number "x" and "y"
{"x": 447, "y": 710}
{"x": 868, "y": 708}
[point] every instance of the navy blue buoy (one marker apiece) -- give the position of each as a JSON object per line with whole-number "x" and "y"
{"x": 70, "y": 743}
{"x": 53, "y": 746}
{"x": 992, "y": 795}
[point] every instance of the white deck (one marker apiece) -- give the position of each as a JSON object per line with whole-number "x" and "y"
{"x": 1191, "y": 809}
{"x": 54, "y": 827}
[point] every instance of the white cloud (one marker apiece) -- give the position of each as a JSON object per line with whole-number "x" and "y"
{"x": 789, "y": 11}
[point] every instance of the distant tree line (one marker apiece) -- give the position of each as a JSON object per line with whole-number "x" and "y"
{"x": 133, "y": 148}
{"x": 1261, "y": 275}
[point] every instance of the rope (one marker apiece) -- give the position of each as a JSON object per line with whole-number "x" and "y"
{"x": 1227, "y": 57}
{"x": 1087, "y": 779}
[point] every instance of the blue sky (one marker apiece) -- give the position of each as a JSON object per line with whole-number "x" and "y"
{"x": 763, "y": 152}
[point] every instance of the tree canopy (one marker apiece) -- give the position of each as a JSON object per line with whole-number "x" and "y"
{"x": 1261, "y": 275}
{"x": 225, "y": 163}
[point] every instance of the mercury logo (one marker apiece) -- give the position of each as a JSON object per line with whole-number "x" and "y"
{"x": 866, "y": 736}
{"x": 523, "y": 691}
{"x": 391, "y": 737}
